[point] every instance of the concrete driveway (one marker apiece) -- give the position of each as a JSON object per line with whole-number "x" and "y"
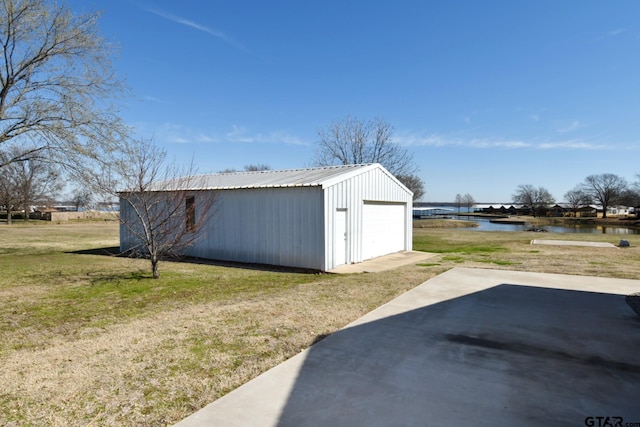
{"x": 469, "y": 347}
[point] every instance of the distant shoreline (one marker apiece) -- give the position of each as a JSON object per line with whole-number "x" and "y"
{"x": 618, "y": 221}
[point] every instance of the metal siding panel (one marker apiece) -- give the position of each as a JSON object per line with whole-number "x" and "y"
{"x": 125, "y": 242}
{"x": 267, "y": 226}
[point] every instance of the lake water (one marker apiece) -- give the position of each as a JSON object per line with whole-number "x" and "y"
{"x": 486, "y": 225}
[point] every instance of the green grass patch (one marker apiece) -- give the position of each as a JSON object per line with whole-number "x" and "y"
{"x": 49, "y": 284}
{"x": 103, "y": 297}
{"x": 505, "y": 262}
{"x": 454, "y": 258}
{"x": 428, "y": 264}
{"x": 497, "y": 261}
{"x": 428, "y": 242}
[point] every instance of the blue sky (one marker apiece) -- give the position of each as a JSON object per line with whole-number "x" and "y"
{"x": 487, "y": 95}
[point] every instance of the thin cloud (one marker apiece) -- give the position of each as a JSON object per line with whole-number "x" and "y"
{"x": 179, "y": 134}
{"x": 179, "y": 140}
{"x": 150, "y": 98}
{"x": 575, "y": 145}
{"x": 574, "y": 125}
{"x": 616, "y": 32}
{"x": 205, "y": 139}
{"x": 243, "y": 135}
{"x": 439, "y": 141}
{"x": 240, "y": 134}
{"x": 212, "y": 31}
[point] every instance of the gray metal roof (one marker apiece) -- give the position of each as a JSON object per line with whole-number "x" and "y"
{"x": 308, "y": 177}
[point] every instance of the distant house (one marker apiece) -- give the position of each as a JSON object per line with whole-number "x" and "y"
{"x": 619, "y": 210}
{"x": 315, "y": 218}
{"x": 560, "y": 210}
{"x": 588, "y": 211}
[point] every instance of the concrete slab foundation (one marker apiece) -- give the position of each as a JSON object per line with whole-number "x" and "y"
{"x": 573, "y": 243}
{"x": 387, "y": 262}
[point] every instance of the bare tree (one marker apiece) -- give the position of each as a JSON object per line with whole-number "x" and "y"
{"x": 469, "y": 201}
{"x": 248, "y": 168}
{"x": 631, "y": 197}
{"x": 257, "y": 167}
{"x": 634, "y": 196}
{"x": 458, "y": 201}
{"x": 525, "y": 195}
{"x": 577, "y": 198}
{"x": 9, "y": 198}
{"x": 57, "y": 85}
{"x": 161, "y": 208}
{"x": 228, "y": 170}
{"x": 37, "y": 181}
{"x": 605, "y": 188}
{"x": 413, "y": 183}
{"x": 543, "y": 200}
{"x": 353, "y": 141}
{"x": 82, "y": 198}
{"x": 30, "y": 181}
{"x": 537, "y": 199}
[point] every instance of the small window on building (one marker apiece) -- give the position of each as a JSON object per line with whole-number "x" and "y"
{"x": 190, "y": 209}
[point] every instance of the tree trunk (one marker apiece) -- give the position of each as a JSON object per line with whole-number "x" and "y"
{"x": 26, "y": 211}
{"x": 154, "y": 267}
{"x": 9, "y": 215}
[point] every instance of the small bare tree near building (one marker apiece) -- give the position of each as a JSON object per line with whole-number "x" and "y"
{"x": 257, "y": 167}
{"x": 606, "y": 189}
{"x": 468, "y": 201}
{"x": 458, "y": 201}
{"x": 82, "y": 198}
{"x": 633, "y": 196}
{"x": 249, "y": 168}
{"x": 162, "y": 208}
{"x": 537, "y": 199}
{"x": 9, "y": 198}
{"x": 28, "y": 181}
{"x": 577, "y": 198}
{"x": 413, "y": 183}
{"x": 352, "y": 141}
{"x": 38, "y": 182}
{"x": 525, "y": 195}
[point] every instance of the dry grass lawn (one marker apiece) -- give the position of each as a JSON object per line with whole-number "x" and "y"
{"x": 89, "y": 339}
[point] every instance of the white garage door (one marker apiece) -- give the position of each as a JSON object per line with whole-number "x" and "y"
{"x": 382, "y": 229}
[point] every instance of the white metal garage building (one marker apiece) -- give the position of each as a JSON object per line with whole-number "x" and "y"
{"x": 315, "y": 218}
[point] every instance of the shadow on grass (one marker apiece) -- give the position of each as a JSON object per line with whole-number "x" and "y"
{"x": 108, "y": 251}
{"x": 114, "y": 251}
{"x": 247, "y": 266}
